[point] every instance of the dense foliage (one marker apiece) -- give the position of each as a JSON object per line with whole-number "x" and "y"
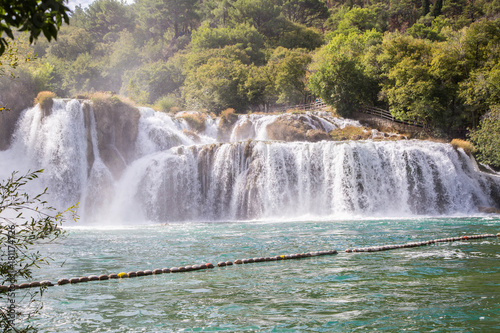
{"x": 435, "y": 61}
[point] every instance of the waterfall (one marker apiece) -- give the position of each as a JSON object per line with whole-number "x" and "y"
{"x": 173, "y": 177}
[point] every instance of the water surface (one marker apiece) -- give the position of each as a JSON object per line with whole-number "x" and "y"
{"x": 439, "y": 288}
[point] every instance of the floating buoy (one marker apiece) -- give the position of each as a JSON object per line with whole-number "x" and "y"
{"x": 24, "y": 285}
{"x": 4, "y": 288}
{"x": 62, "y": 282}
{"x": 221, "y": 264}
{"x": 35, "y": 284}
{"x": 165, "y": 270}
{"x": 122, "y": 275}
{"x": 133, "y": 274}
{"x": 46, "y": 283}
{"x": 209, "y": 265}
{"x": 113, "y": 276}
{"x": 93, "y": 278}
{"x": 139, "y": 273}
{"x": 238, "y": 261}
{"x": 74, "y": 280}
{"x": 229, "y": 263}
{"x": 196, "y": 267}
{"x": 157, "y": 271}
{"x": 174, "y": 270}
{"x": 148, "y": 272}
{"x": 84, "y": 279}
{"x": 103, "y": 277}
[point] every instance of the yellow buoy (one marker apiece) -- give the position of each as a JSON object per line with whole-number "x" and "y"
{"x": 122, "y": 275}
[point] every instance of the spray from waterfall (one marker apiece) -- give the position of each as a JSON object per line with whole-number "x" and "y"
{"x": 167, "y": 175}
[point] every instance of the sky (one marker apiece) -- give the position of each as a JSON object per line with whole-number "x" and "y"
{"x": 84, "y": 3}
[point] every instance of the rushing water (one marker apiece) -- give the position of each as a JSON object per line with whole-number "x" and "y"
{"x": 164, "y": 173}
{"x": 438, "y": 288}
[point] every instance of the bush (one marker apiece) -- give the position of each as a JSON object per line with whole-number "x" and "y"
{"x": 465, "y": 145}
{"x": 196, "y": 121}
{"x": 349, "y": 133}
{"x": 166, "y": 103}
{"x": 45, "y": 99}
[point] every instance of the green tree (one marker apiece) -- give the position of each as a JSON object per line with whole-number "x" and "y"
{"x": 339, "y": 75}
{"x": 243, "y": 36}
{"x": 437, "y": 8}
{"x": 262, "y": 14}
{"x": 34, "y": 17}
{"x": 410, "y": 88}
{"x": 288, "y": 68}
{"x": 217, "y": 85}
{"x": 103, "y": 18}
{"x": 25, "y": 220}
{"x": 312, "y": 13}
{"x": 156, "y": 17}
{"x": 486, "y": 138}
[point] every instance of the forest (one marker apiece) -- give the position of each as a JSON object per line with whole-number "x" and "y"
{"x": 432, "y": 61}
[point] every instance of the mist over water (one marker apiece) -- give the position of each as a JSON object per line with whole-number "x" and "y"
{"x": 168, "y": 175}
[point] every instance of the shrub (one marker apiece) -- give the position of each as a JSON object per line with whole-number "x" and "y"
{"x": 349, "y": 133}
{"x": 45, "y": 99}
{"x": 316, "y": 135}
{"x": 196, "y": 121}
{"x": 465, "y": 145}
{"x": 166, "y": 103}
{"x": 227, "y": 118}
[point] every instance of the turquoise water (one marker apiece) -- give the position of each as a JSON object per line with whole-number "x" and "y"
{"x": 439, "y": 288}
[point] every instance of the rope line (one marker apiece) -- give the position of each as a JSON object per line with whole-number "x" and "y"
{"x": 180, "y": 269}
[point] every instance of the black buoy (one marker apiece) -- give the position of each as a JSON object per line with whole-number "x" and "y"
{"x": 84, "y": 279}
{"x": 174, "y": 270}
{"x": 139, "y": 273}
{"x": 24, "y": 285}
{"x": 157, "y": 271}
{"x": 103, "y": 277}
{"x": 148, "y": 272}
{"x": 238, "y": 261}
{"x": 229, "y": 263}
{"x": 113, "y": 276}
{"x": 74, "y": 280}
{"x": 221, "y": 264}
{"x": 165, "y": 270}
{"x": 46, "y": 283}
{"x": 133, "y": 274}
{"x": 93, "y": 278}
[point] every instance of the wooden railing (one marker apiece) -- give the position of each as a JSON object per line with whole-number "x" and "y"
{"x": 318, "y": 105}
{"x": 384, "y": 114}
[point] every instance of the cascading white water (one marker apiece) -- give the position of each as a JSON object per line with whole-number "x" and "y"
{"x": 285, "y": 180}
{"x": 171, "y": 178}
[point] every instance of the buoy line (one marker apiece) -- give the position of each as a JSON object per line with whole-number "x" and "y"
{"x": 417, "y": 244}
{"x": 188, "y": 268}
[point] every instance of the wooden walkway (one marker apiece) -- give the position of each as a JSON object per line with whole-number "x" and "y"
{"x": 384, "y": 114}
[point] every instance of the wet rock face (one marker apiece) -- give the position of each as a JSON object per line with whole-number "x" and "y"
{"x": 296, "y": 128}
{"x": 117, "y": 128}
